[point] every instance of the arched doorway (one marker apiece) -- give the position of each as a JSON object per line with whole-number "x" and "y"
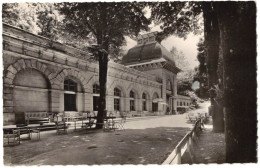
{"x": 31, "y": 93}
{"x": 73, "y": 97}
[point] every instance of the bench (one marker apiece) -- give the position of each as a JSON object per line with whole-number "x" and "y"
{"x": 72, "y": 116}
{"x": 36, "y": 117}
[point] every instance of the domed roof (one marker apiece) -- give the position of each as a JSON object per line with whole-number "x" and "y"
{"x": 147, "y": 52}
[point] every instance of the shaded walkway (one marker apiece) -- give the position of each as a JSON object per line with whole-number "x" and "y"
{"x": 210, "y": 148}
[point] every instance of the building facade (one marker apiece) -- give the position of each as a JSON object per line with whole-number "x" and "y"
{"x": 40, "y": 75}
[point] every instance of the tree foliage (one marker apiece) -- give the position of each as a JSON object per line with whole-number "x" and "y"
{"x": 179, "y": 58}
{"x": 201, "y": 72}
{"x": 178, "y": 18}
{"x": 22, "y": 15}
{"x": 108, "y": 23}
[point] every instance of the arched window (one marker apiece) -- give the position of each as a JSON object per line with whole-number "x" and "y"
{"x": 96, "y": 91}
{"x": 155, "y": 102}
{"x": 144, "y": 97}
{"x": 177, "y": 103}
{"x": 117, "y": 95}
{"x": 180, "y": 103}
{"x": 132, "y": 100}
{"x": 70, "y": 85}
{"x": 70, "y": 88}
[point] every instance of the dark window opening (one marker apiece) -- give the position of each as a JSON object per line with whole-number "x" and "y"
{"x": 70, "y": 99}
{"x": 155, "y": 107}
{"x": 117, "y": 92}
{"x": 132, "y": 105}
{"x": 132, "y": 94}
{"x": 95, "y": 103}
{"x": 117, "y": 104}
{"x": 144, "y": 106}
{"x": 144, "y": 96}
{"x": 69, "y": 102}
{"x": 144, "y": 102}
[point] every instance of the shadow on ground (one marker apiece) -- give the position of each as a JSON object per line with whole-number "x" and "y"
{"x": 210, "y": 148}
{"x": 131, "y": 146}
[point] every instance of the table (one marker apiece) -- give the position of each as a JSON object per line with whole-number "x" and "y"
{"x": 27, "y": 129}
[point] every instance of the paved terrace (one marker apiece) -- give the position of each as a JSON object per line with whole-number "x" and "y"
{"x": 146, "y": 140}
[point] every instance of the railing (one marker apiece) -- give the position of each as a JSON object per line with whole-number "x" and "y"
{"x": 185, "y": 145}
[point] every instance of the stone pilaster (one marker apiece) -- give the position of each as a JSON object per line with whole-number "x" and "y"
{"x": 8, "y": 113}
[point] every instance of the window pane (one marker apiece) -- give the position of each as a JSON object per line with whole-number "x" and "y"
{"x": 70, "y": 85}
{"x": 117, "y": 92}
{"x": 132, "y": 94}
{"x": 96, "y": 89}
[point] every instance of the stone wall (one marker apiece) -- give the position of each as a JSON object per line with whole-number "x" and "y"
{"x": 35, "y": 69}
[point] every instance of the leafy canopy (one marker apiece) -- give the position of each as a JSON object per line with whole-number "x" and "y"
{"x": 108, "y": 23}
{"x": 178, "y": 18}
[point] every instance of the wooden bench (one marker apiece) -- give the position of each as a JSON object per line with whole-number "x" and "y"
{"x": 72, "y": 116}
{"x": 36, "y": 117}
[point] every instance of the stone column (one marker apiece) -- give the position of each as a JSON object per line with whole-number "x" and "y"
{"x": 55, "y": 101}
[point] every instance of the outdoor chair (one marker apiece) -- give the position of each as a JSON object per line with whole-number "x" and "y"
{"x": 120, "y": 124}
{"x": 192, "y": 118}
{"x": 12, "y": 138}
{"x": 109, "y": 125}
{"x": 61, "y": 127}
{"x": 90, "y": 122}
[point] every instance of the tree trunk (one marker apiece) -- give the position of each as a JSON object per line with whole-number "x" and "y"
{"x": 103, "y": 66}
{"x": 237, "y": 22}
{"x": 211, "y": 33}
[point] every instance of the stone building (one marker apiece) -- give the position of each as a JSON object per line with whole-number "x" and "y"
{"x": 41, "y": 75}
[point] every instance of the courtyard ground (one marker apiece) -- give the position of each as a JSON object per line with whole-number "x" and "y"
{"x": 147, "y": 140}
{"x": 144, "y": 141}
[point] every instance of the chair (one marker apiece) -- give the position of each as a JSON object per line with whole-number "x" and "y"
{"x": 192, "y": 118}
{"x": 36, "y": 131}
{"x": 91, "y": 121}
{"x": 109, "y": 125}
{"x": 61, "y": 127}
{"x": 120, "y": 125}
{"x": 13, "y": 137}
